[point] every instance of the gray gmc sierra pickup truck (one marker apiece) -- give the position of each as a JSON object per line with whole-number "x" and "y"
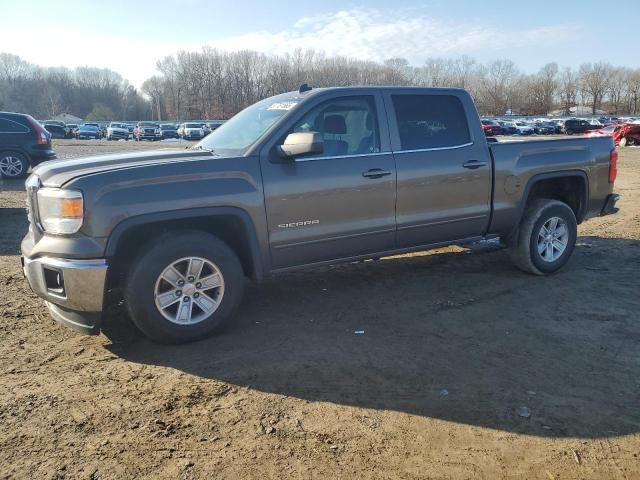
{"x": 312, "y": 177}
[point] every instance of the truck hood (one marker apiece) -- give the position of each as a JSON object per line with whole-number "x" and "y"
{"x": 56, "y": 173}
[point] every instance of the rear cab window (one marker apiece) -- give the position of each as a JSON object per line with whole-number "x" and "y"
{"x": 430, "y": 121}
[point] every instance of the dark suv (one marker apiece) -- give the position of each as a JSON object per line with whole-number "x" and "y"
{"x": 24, "y": 143}
{"x": 577, "y": 125}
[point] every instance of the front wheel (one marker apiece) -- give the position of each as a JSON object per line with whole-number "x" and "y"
{"x": 546, "y": 237}
{"x": 184, "y": 287}
{"x": 623, "y": 142}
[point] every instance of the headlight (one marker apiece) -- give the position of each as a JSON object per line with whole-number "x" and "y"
{"x": 60, "y": 211}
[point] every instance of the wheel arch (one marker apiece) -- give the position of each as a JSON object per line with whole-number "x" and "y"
{"x": 232, "y": 225}
{"x": 16, "y": 148}
{"x": 556, "y": 186}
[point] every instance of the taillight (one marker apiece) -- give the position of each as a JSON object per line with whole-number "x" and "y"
{"x": 40, "y": 133}
{"x": 613, "y": 165}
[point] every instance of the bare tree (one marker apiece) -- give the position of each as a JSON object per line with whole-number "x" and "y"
{"x": 594, "y": 82}
{"x": 633, "y": 90}
{"x": 617, "y": 86}
{"x": 153, "y": 88}
{"x": 568, "y": 90}
{"x": 498, "y": 80}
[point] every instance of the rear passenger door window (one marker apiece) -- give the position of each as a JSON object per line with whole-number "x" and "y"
{"x": 430, "y": 121}
{"x": 349, "y": 126}
{"x": 9, "y": 126}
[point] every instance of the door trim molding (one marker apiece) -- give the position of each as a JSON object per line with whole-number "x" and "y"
{"x": 329, "y": 239}
{"x": 355, "y": 155}
{"x": 435, "y": 149}
{"x": 441, "y": 222}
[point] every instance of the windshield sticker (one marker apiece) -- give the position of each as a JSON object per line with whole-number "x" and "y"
{"x": 282, "y": 106}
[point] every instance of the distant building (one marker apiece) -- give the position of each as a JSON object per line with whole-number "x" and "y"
{"x": 67, "y": 118}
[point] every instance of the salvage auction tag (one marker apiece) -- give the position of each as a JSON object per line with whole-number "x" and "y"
{"x": 282, "y": 106}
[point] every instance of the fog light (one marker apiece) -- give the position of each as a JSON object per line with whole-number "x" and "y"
{"x": 54, "y": 281}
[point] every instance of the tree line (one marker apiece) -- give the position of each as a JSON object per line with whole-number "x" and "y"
{"x": 89, "y": 93}
{"x": 215, "y": 84}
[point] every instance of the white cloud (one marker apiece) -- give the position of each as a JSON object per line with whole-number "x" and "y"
{"x": 373, "y": 34}
{"x": 369, "y": 34}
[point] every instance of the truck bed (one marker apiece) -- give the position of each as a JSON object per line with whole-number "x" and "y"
{"x": 516, "y": 163}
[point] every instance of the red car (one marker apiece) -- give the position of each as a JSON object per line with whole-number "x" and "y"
{"x": 623, "y": 134}
{"x": 490, "y": 128}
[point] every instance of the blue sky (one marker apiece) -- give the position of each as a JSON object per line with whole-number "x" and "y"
{"x": 130, "y": 37}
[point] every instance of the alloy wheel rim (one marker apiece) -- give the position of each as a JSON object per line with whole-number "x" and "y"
{"x": 10, "y": 166}
{"x": 553, "y": 239}
{"x": 189, "y": 290}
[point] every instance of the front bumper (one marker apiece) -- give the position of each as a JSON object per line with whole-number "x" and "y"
{"x": 610, "y": 205}
{"x": 72, "y": 289}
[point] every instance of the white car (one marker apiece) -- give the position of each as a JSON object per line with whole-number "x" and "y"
{"x": 117, "y": 131}
{"x": 191, "y": 131}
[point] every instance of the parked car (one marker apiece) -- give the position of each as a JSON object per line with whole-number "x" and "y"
{"x": 89, "y": 131}
{"x": 306, "y": 178}
{"x": 577, "y": 125}
{"x": 56, "y": 131}
{"x": 544, "y": 128}
{"x": 147, "y": 131}
{"x": 627, "y": 134}
{"x": 57, "y": 123}
{"x": 524, "y": 129}
{"x": 508, "y": 127}
{"x": 168, "y": 130}
{"x": 117, "y": 131}
{"x": 24, "y": 143}
{"x": 191, "y": 131}
{"x": 624, "y": 134}
{"x": 213, "y": 124}
{"x": 491, "y": 127}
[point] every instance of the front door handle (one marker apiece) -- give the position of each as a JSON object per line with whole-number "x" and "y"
{"x": 376, "y": 173}
{"x": 473, "y": 164}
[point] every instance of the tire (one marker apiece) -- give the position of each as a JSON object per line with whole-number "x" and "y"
{"x": 13, "y": 165}
{"x": 144, "y": 282}
{"x": 569, "y": 132}
{"x": 525, "y": 252}
{"x": 623, "y": 142}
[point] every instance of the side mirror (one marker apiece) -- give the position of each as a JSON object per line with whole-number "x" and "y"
{"x": 301, "y": 143}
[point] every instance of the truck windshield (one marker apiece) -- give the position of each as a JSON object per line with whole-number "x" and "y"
{"x": 243, "y": 130}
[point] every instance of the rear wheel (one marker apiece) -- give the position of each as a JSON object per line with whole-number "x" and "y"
{"x": 13, "y": 165}
{"x": 569, "y": 132}
{"x": 184, "y": 287}
{"x": 623, "y": 142}
{"x": 546, "y": 237}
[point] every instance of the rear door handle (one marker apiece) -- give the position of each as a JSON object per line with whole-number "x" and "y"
{"x": 473, "y": 164}
{"x": 376, "y": 173}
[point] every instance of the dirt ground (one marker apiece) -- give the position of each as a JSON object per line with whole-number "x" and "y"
{"x": 456, "y": 342}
